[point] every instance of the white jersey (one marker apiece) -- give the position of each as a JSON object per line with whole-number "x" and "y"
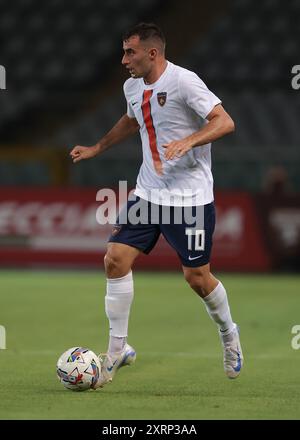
{"x": 172, "y": 108}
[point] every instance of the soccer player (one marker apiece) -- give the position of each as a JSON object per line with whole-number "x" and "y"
{"x": 178, "y": 117}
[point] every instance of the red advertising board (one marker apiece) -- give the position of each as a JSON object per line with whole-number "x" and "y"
{"x": 239, "y": 242}
{"x": 58, "y": 227}
{"x": 280, "y": 217}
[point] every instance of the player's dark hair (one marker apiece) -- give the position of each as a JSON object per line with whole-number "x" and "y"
{"x": 146, "y": 31}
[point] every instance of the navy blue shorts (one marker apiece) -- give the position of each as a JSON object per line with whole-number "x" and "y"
{"x": 188, "y": 230}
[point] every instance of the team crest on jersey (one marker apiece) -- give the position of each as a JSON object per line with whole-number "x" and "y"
{"x": 161, "y": 98}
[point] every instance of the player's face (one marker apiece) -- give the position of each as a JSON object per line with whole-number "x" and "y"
{"x": 136, "y": 57}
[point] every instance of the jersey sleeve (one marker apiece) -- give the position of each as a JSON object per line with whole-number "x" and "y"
{"x": 196, "y": 95}
{"x": 130, "y": 112}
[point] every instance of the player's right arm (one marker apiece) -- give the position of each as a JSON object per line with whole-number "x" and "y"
{"x": 124, "y": 128}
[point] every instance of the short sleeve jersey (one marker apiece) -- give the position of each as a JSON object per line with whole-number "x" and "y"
{"x": 172, "y": 108}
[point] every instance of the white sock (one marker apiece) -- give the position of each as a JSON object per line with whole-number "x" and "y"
{"x": 217, "y": 306}
{"x": 116, "y": 344}
{"x": 118, "y": 299}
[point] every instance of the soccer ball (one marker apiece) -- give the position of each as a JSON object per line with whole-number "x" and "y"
{"x": 78, "y": 369}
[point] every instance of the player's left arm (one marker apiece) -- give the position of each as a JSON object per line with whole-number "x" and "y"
{"x": 219, "y": 124}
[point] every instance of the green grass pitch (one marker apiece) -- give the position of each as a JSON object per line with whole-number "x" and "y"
{"x": 178, "y": 373}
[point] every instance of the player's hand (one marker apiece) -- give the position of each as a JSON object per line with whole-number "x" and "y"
{"x": 79, "y": 152}
{"x": 176, "y": 149}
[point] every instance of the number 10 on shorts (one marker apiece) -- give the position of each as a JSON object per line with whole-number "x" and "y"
{"x": 196, "y": 237}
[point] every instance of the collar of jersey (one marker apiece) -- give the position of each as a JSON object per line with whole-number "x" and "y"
{"x": 162, "y": 76}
